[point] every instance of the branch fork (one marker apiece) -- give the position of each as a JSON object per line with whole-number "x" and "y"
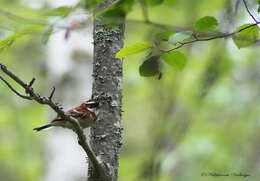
{"x": 32, "y": 95}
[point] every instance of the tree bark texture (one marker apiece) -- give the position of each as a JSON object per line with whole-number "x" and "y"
{"x": 105, "y": 136}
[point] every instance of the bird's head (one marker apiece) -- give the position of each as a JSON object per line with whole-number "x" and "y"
{"x": 93, "y": 104}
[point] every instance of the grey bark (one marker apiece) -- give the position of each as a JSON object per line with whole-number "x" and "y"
{"x": 105, "y": 136}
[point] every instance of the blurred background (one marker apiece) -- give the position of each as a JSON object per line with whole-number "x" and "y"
{"x": 203, "y": 119}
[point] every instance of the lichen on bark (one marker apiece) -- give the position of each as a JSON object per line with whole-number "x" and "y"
{"x": 105, "y": 136}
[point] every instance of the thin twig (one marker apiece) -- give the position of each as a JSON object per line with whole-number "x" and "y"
{"x": 12, "y": 89}
{"x": 209, "y": 38}
{"x": 10, "y": 74}
{"x": 52, "y": 93}
{"x": 247, "y": 9}
{"x": 31, "y": 82}
{"x": 48, "y": 101}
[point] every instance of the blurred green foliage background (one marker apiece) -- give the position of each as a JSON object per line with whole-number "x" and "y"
{"x": 203, "y": 119}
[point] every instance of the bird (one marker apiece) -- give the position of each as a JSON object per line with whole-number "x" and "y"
{"x": 86, "y": 114}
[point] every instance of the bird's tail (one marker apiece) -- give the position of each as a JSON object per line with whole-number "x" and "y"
{"x": 42, "y": 127}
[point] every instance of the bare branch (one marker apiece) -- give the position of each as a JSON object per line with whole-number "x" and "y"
{"x": 13, "y": 89}
{"x": 31, "y": 82}
{"x": 99, "y": 167}
{"x": 247, "y": 9}
{"x": 52, "y": 93}
{"x": 210, "y": 38}
{"x": 11, "y": 75}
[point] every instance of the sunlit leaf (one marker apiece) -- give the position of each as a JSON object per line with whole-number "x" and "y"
{"x": 246, "y": 37}
{"x": 179, "y": 37}
{"x": 133, "y": 49}
{"x": 150, "y": 67}
{"x": 175, "y": 59}
{"x": 21, "y": 19}
{"x": 63, "y": 11}
{"x": 7, "y": 42}
{"x": 206, "y": 23}
{"x": 34, "y": 29}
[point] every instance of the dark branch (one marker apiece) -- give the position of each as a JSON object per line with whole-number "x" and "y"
{"x": 11, "y": 75}
{"x": 52, "y": 93}
{"x": 31, "y": 82}
{"x": 12, "y": 89}
{"x": 48, "y": 101}
{"x": 210, "y": 38}
{"x": 247, "y": 9}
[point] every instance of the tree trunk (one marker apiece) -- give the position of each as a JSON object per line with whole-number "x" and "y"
{"x": 105, "y": 136}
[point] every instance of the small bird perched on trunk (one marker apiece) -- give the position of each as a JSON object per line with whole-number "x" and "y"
{"x": 86, "y": 114}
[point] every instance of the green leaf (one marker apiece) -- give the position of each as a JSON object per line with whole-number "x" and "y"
{"x": 90, "y": 4}
{"x": 164, "y": 35}
{"x": 258, "y": 10}
{"x": 33, "y": 29}
{"x": 179, "y": 37}
{"x": 126, "y": 6}
{"x": 61, "y": 11}
{"x": 121, "y": 7}
{"x": 7, "y": 42}
{"x": 114, "y": 13}
{"x": 112, "y": 18}
{"x": 133, "y": 49}
{"x": 46, "y": 34}
{"x": 21, "y": 19}
{"x": 154, "y": 2}
{"x": 206, "y": 23}
{"x": 175, "y": 59}
{"x": 246, "y": 37}
{"x": 150, "y": 67}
